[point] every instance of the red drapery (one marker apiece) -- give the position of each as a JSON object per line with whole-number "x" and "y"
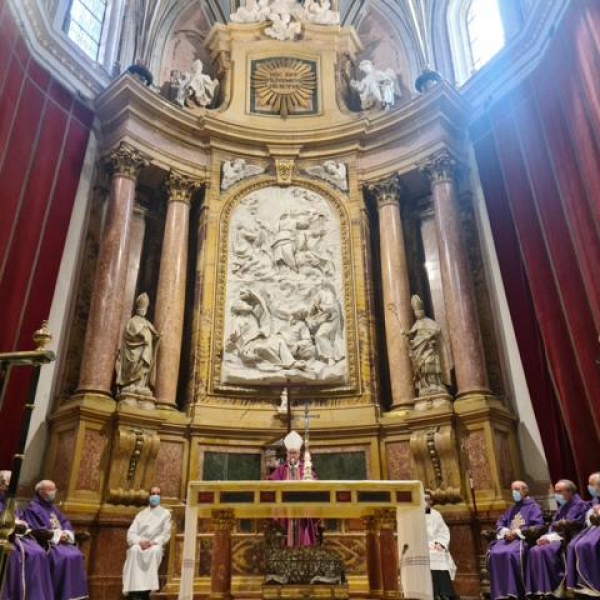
{"x": 538, "y": 153}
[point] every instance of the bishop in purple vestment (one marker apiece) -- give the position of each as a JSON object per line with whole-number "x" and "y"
{"x": 583, "y": 553}
{"x": 545, "y": 572}
{"x": 27, "y": 574}
{"x": 507, "y": 554}
{"x": 299, "y": 532}
{"x": 67, "y": 568}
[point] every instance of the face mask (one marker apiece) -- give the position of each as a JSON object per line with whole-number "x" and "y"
{"x": 560, "y": 499}
{"x": 516, "y": 496}
{"x": 154, "y": 500}
{"x": 593, "y": 491}
{"x": 50, "y": 496}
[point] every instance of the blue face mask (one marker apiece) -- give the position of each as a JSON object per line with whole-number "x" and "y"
{"x": 516, "y": 495}
{"x": 560, "y": 499}
{"x": 593, "y": 490}
{"x": 154, "y": 500}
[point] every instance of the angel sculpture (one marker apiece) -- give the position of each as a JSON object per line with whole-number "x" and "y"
{"x": 332, "y": 171}
{"x": 252, "y": 12}
{"x": 236, "y": 170}
{"x": 319, "y": 11}
{"x": 376, "y": 88}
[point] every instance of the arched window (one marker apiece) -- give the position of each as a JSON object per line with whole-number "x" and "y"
{"x": 485, "y": 30}
{"x": 476, "y": 34}
{"x": 84, "y": 25}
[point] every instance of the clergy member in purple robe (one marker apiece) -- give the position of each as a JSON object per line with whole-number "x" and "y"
{"x": 27, "y": 574}
{"x": 507, "y": 554}
{"x": 583, "y": 553}
{"x": 545, "y": 572}
{"x": 299, "y": 532}
{"x": 67, "y": 568}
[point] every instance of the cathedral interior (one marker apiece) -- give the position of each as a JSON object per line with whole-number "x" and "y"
{"x": 349, "y": 218}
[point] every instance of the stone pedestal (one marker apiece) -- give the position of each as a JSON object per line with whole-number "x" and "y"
{"x": 220, "y": 570}
{"x": 106, "y": 309}
{"x": 396, "y": 291}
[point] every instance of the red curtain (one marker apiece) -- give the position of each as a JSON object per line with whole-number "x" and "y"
{"x": 538, "y": 152}
{"x": 43, "y": 137}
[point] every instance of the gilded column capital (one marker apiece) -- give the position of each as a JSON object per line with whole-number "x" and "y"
{"x": 126, "y": 161}
{"x": 441, "y": 166}
{"x": 387, "y": 191}
{"x": 386, "y": 519}
{"x": 223, "y": 520}
{"x": 181, "y": 187}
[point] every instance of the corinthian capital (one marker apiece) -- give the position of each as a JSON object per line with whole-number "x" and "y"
{"x": 441, "y": 166}
{"x": 387, "y": 191}
{"x": 181, "y": 187}
{"x": 126, "y": 161}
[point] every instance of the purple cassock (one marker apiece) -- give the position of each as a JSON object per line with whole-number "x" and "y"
{"x": 300, "y": 532}
{"x": 583, "y": 559}
{"x": 506, "y": 560}
{"x": 27, "y": 574}
{"x": 545, "y": 572}
{"x": 67, "y": 568}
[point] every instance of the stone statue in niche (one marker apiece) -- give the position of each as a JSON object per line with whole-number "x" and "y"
{"x": 193, "y": 88}
{"x": 428, "y": 353}
{"x": 332, "y": 171}
{"x": 284, "y": 294}
{"x": 136, "y": 361}
{"x": 376, "y": 88}
{"x": 236, "y": 170}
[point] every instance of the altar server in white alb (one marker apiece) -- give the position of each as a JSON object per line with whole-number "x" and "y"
{"x": 146, "y": 537}
{"x": 441, "y": 564}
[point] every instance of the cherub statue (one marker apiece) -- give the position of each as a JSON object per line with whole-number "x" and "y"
{"x": 236, "y": 170}
{"x": 252, "y": 12}
{"x": 282, "y": 27}
{"x": 319, "y": 11}
{"x": 203, "y": 88}
{"x": 376, "y": 88}
{"x": 332, "y": 171}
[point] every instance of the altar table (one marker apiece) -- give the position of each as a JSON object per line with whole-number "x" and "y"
{"x": 383, "y": 506}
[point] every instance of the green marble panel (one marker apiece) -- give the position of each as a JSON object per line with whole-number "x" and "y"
{"x": 231, "y": 466}
{"x": 340, "y": 465}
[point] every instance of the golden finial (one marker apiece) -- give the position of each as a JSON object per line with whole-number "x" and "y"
{"x": 42, "y": 337}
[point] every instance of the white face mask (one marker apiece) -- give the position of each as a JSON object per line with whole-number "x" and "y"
{"x": 51, "y": 496}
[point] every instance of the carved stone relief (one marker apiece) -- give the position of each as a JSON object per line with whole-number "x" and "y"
{"x": 283, "y": 310}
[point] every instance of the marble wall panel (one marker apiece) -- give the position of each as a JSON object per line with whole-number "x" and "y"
{"x": 502, "y": 447}
{"x": 399, "y": 460}
{"x": 169, "y": 465}
{"x": 94, "y": 444}
{"x": 349, "y": 464}
{"x": 478, "y": 460}
{"x": 65, "y": 450}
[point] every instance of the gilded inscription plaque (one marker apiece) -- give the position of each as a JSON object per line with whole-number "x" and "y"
{"x": 284, "y": 86}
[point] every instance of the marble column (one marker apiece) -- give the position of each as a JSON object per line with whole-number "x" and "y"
{"x": 373, "y": 557}
{"x": 106, "y": 308}
{"x": 220, "y": 568}
{"x": 396, "y": 291}
{"x": 459, "y": 296}
{"x": 170, "y": 295}
{"x": 388, "y": 548}
{"x": 138, "y": 231}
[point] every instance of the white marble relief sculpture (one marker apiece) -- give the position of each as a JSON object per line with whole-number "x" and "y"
{"x": 236, "y": 170}
{"x": 332, "y": 171}
{"x": 284, "y": 293}
{"x": 193, "y": 88}
{"x": 252, "y": 12}
{"x": 376, "y": 88}
{"x": 282, "y": 26}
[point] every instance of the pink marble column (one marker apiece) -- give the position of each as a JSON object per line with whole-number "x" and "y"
{"x": 106, "y": 309}
{"x": 396, "y": 291}
{"x": 138, "y": 231}
{"x": 170, "y": 295}
{"x": 459, "y": 295}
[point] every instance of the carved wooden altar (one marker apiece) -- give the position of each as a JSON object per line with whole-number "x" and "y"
{"x": 381, "y": 504}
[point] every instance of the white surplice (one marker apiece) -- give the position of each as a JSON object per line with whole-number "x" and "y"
{"x": 437, "y": 531}
{"x": 140, "y": 572}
